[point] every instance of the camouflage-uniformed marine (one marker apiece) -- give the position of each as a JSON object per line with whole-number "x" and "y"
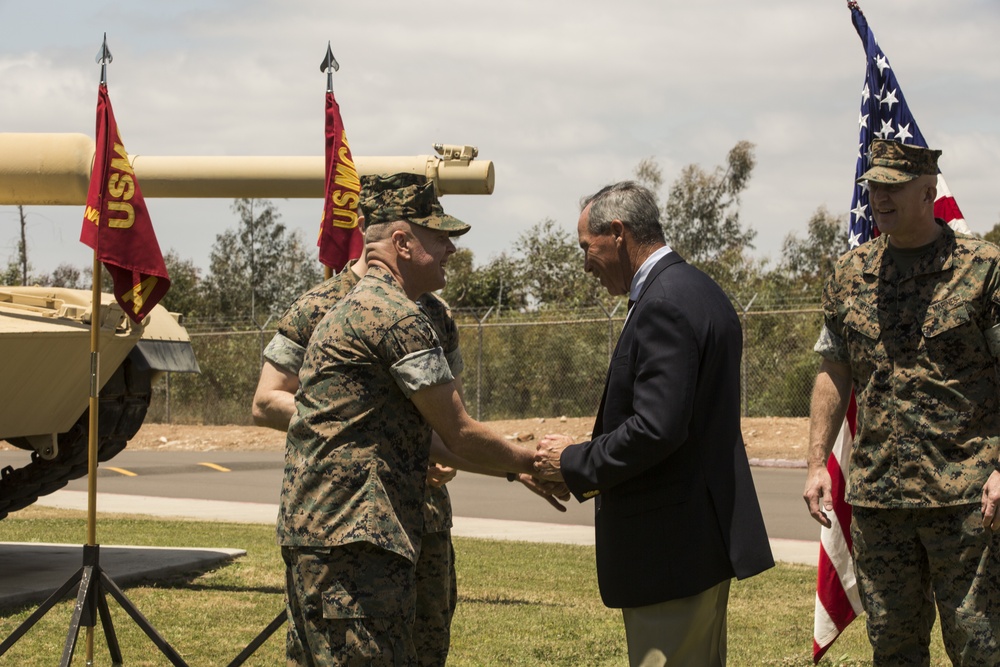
{"x": 436, "y": 590}
{"x": 357, "y": 448}
{"x": 920, "y": 330}
{"x": 356, "y": 457}
{"x": 923, "y": 347}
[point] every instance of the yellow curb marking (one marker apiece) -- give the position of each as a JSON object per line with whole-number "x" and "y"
{"x": 121, "y": 471}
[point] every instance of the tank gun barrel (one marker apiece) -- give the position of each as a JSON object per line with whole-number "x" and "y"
{"x": 54, "y": 169}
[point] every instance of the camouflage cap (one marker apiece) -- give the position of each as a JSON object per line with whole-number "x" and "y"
{"x": 409, "y": 197}
{"x": 893, "y": 162}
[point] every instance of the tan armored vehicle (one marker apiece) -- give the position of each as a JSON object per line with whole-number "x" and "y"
{"x": 45, "y": 331}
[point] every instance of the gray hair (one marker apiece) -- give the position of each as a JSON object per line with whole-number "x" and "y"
{"x": 383, "y": 230}
{"x": 629, "y": 202}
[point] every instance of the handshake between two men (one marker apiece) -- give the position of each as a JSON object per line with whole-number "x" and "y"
{"x": 545, "y": 480}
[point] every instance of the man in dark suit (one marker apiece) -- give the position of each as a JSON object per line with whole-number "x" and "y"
{"x": 677, "y": 514}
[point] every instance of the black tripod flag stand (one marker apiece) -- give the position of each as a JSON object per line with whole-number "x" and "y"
{"x": 94, "y": 583}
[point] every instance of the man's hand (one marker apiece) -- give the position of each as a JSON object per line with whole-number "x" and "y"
{"x": 439, "y": 475}
{"x": 991, "y": 502}
{"x": 548, "y": 490}
{"x": 818, "y": 494}
{"x": 547, "y": 456}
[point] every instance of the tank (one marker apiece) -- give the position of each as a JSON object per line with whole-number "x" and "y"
{"x": 45, "y": 331}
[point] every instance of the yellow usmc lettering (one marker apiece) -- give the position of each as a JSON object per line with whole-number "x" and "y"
{"x": 344, "y": 218}
{"x": 121, "y": 187}
{"x": 122, "y": 207}
{"x": 121, "y": 162}
{"x": 137, "y": 295}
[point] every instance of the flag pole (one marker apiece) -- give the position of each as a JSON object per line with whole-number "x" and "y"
{"x": 95, "y": 383}
{"x": 103, "y": 57}
{"x": 329, "y": 65}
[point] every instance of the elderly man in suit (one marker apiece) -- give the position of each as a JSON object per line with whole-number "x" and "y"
{"x": 677, "y": 514}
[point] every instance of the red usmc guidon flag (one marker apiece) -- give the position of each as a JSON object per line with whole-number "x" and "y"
{"x": 116, "y": 223}
{"x": 340, "y": 239}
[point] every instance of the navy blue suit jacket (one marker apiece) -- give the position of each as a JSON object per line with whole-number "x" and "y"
{"x": 676, "y": 509}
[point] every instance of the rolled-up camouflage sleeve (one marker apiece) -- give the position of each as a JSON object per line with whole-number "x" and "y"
{"x": 831, "y": 346}
{"x": 422, "y": 369}
{"x": 285, "y": 353}
{"x": 415, "y": 355}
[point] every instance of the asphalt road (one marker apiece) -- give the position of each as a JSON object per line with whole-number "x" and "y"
{"x": 256, "y": 477}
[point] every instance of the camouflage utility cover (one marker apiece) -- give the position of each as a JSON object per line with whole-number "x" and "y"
{"x": 357, "y": 449}
{"x": 892, "y": 162}
{"x": 409, "y": 197}
{"x": 922, "y": 346}
{"x": 296, "y": 326}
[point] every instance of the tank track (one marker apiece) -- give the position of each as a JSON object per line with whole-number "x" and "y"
{"x": 122, "y": 406}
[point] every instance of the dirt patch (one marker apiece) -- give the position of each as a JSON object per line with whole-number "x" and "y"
{"x": 766, "y": 438}
{"x": 773, "y": 438}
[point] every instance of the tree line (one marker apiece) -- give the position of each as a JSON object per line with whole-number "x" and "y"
{"x": 258, "y": 267}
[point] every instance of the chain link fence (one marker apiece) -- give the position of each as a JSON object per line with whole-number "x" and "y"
{"x": 517, "y": 365}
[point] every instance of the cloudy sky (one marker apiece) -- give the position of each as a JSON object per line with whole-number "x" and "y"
{"x": 563, "y": 96}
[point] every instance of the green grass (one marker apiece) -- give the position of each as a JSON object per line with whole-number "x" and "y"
{"x": 519, "y": 604}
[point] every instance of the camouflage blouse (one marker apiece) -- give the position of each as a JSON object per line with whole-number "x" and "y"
{"x": 296, "y": 326}
{"x": 357, "y": 448}
{"x": 922, "y": 346}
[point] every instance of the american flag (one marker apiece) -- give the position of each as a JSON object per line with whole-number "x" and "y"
{"x": 884, "y": 115}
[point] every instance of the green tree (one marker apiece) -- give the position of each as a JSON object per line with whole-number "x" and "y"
{"x": 702, "y": 214}
{"x": 259, "y": 268}
{"x": 184, "y": 296}
{"x": 649, "y": 174}
{"x": 11, "y": 274}
{"x": 67, "y": 275}
{"x": 551, "y": 266}
{"x": 497, "y": 284}
{"x": 811, "y": 260}
{"x": 993, "y": 236}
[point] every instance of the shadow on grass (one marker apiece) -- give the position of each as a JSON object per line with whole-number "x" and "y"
{"x": 504, "y": 602}
{"x": 181, "y": 585}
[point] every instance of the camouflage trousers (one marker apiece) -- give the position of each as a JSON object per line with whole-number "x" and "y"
{"x": 350, "y": 605}
{"x": 437, "y": 595}
{"x": 905, "y": 560}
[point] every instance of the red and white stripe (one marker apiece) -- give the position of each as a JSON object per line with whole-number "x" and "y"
{"x": 946, "y": 208}
{"x": 837, "y": 599}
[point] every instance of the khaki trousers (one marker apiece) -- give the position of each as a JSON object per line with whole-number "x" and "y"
{"x": 689, "y": 632}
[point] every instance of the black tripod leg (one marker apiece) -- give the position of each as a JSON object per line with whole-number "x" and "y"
{"x": 165, "y": 648}
{"x": 84, "y": 599}
{"x": 259, "y": 640}
{"x": 41, "y": 611}
{"x": 109, "y": 629}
